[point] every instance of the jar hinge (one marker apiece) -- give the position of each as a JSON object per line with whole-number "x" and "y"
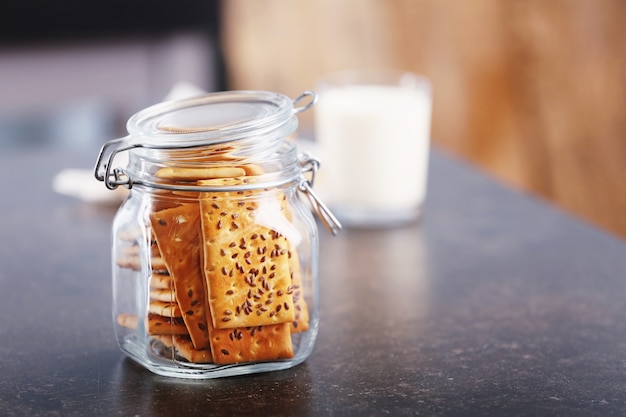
{"x": 104, "y": 171}
{"x": 311, "y": 165}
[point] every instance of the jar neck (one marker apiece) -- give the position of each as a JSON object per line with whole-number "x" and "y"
{"x": 254, "y": 162}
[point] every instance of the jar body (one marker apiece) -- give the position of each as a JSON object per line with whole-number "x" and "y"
{"x": 215, "y": 283}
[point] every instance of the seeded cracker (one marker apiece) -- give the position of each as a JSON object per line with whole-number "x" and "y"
{"x": 251, "y": 344}
{"x": 177, "y": 231}
{"x": 245, "y": 264}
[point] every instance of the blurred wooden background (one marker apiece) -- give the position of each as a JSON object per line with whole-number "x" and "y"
{"x": 533, "y": 91}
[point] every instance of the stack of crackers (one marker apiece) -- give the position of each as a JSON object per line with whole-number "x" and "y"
{"x": 224, "y": 287}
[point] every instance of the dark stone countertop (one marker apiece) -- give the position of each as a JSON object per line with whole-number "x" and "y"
{"x": 495, "y": 304}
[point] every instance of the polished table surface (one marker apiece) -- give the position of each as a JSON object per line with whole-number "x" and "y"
{"x": 494, "y": 304}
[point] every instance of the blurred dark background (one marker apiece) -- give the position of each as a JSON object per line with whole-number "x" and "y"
{"x": 531, "y": 91}
{"x": 38, "y": 21}
{"x": 72, "y": 72}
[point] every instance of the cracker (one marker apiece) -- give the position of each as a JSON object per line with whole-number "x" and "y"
{"x": 195, "y": 174}
{"x": 159, "y": 325}
{"x": 184, "y": 348}
{"x": 161, "y": 281}
{"x": 134, "y": 262}
{"x": 251, "y": 344}
{"x": 163, "y": 294}
{"x": 177, "y": 231}
{"x": 164, "y": 309}
{"x": 251, "y": 169}
{"x": 127, "y": 320}
{"x": 245, "y": 264}
{"x": 129, "y": 235}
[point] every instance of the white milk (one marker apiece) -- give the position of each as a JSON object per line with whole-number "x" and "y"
{"x": 374, "y": 143}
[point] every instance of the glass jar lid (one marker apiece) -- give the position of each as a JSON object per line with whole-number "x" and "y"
{"x": 216, "y": 118}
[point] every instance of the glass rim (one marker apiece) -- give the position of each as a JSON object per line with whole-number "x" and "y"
{"x": 213, "y": 118}
{"x": 373, "y": 76}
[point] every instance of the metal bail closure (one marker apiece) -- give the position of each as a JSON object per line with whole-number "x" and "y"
{"x": 104, "y": 171}
{"x": 322, "y": 211}
{"x": 308, "y": 105}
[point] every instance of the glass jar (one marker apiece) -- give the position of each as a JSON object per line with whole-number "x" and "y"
{"x": 214, "y": 250}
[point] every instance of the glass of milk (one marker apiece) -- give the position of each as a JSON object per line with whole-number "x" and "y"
{"x": 372, "y": 130}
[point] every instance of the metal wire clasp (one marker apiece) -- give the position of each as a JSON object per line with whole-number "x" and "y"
{"x": 104, "y": 171}
{"x": 311, "y": 165}
{"x": 308, "y": 105}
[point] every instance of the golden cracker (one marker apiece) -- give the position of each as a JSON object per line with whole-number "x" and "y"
{"x": 164, "y": 309}
{"x": 251, "y": 344}
{"x": 163, "y": 294}
{"x": 159, "y": 325}
{"x": 245, "y": 264}
{"x": 195, "y": 174}
{"x": 177, "y": 231}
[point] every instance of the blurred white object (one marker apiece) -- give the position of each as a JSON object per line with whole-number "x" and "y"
{"x": 373, "y": 133}
{"x": 81, "y": 184}
{"x": 183, "y": 90}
